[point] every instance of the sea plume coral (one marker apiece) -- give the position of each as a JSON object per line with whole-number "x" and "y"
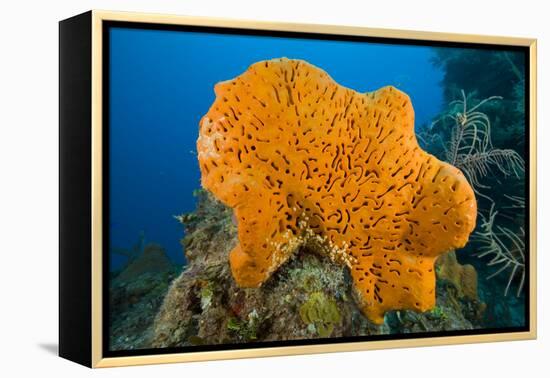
{"x": 304, "y": 161}
{"x": 470, "y": 147}
{"x": 505, "y": 248}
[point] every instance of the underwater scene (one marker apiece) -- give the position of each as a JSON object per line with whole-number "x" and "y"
{"x": 291, "y": 189}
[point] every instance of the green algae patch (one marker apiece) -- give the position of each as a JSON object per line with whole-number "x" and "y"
{"x": 247, "y": 329}
{"x": 321, "y": 313}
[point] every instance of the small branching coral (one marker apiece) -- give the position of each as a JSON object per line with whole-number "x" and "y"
{"x": 470, "y": 147}
{"x": 505, "y": 247}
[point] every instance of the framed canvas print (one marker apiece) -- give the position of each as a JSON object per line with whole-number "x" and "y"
{"x": 235, "y": 189}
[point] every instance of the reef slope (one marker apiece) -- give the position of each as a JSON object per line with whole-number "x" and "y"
{"x": 308, "y": 297}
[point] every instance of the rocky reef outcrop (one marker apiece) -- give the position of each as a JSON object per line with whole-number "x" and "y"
{"x": 308, "y": 297}
{"x": 136, "y": 293}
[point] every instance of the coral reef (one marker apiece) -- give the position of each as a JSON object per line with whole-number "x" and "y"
{"x": 129, "y": 254}
{"x": 206, "y": 306}
{"x": 152, "y": 260}
{"x": 135, "y": 295}
{"x": 307, "y": 298}
{"x": 308, "y": 164}
{"x": 462, "y": 277}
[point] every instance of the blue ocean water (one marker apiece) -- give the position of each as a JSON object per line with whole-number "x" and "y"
{"x": 161, "y": 84}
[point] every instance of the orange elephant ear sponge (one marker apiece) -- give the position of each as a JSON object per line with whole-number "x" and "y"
{"x": 305, "y": 161}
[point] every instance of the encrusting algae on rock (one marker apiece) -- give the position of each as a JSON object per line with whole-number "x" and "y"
{"x": 303, "y": 161}
{"x": 321, "y": 313}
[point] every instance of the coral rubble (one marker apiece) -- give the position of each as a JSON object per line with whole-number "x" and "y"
{"x": 305, "y": 163}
